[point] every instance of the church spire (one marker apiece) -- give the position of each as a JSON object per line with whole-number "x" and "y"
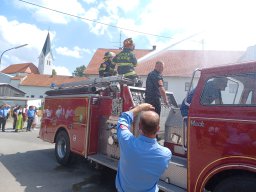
{"x": 47, "y": 45}
{"x": 45, "y": 59}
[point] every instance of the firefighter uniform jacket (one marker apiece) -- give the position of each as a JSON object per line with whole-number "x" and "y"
{"x": 126, "y": 61}
{"x": 107, "y": 69}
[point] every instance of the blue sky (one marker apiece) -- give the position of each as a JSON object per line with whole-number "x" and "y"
{"x": 223, "y": 25}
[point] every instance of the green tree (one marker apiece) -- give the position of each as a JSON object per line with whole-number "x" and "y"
{"x": 79, "y": 72}
{"x": 54, "y": 72}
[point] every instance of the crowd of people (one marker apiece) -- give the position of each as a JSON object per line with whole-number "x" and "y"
{"x": 24, "y": 117}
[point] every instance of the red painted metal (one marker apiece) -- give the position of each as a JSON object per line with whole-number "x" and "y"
{"x": 227, "y": 136}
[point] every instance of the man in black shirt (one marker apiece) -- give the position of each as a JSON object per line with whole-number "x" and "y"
{"x": 155, "y": 87}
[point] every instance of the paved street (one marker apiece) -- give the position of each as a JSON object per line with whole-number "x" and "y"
{"x": 28, "y": 164}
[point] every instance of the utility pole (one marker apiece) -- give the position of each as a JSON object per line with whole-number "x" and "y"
{"x": 120, "y": 41}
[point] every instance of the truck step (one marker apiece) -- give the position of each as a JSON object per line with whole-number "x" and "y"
{"x": 171, "y": 173}
{"x": 169, "y": 187}
{"x": 176, "y": 173}
{"x": 104, "y": 160}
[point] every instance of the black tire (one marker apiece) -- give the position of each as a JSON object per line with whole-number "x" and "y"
{"x": 62, "y": 148}
{"x": 237, "y": 184}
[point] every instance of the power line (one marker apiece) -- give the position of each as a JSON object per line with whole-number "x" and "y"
{"x": 95, "y": 21}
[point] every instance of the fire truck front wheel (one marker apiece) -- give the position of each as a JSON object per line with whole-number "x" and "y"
{"x": 62, "y": 148}
{"x": 237, "y": 184}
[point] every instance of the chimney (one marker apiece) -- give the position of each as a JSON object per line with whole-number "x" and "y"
{"x": 154, "y": 47}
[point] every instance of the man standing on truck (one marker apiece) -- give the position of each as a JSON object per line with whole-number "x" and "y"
{"x": 142, "y": 159}
{"x": 126, "y": 60}
{"x": 107, "y": 68}
{"x": 155, "y": 87}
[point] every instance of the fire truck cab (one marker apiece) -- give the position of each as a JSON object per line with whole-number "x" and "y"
{"x": 213, "y": 147}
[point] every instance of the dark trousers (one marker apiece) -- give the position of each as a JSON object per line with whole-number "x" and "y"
{"x": 14, "y": 121}
{"x": 156, "y": 103}
{"x": 30, "y": 121}
{"x": 2, "y": 123}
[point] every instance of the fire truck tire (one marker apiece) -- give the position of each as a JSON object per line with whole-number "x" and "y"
{"x": 237, "y": 184}
{"x": 62, "y": 148}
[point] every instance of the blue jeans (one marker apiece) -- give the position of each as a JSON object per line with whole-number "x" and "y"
{"x": 30, "y": 121}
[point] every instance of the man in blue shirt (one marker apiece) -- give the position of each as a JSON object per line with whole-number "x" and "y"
{"x": 4, "y": 110}
{"x": 142, "y": 159}
{"x": 31, "y": 115}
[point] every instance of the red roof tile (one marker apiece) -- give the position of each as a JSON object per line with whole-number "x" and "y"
{"x": 21, "y": 68}
{"x": 184, "y": 62}
{"x": 46, "y": 80}
{"x": 97, "y": 59}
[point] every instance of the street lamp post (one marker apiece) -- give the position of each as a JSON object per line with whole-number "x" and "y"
{"x": 11, "y": 49}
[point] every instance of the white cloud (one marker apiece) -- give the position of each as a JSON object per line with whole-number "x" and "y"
{"x": 113, "y": 6}
{"x": 89, "y": 1}
{"x": 227, "y": 25}
{"x": 61, "y": 70}
{"x": 72, "y": 7}
{"x": 14, "y": 33}
{"x": 77, "y": 52}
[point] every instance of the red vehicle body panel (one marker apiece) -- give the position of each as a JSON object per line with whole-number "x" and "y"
{"x": 100, "y": 108}
{"x": 88, "y": 113}
{"x": 211, "y": 129}
{"x": 70, "y": 114}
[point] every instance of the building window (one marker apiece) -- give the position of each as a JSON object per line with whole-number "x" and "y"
{"x": 32, "y": 96}
{"x": 187, "y": 86}
{"x": 165, "y": 85}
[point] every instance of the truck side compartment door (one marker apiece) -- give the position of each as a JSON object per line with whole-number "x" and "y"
{"x": 77, "y": 112}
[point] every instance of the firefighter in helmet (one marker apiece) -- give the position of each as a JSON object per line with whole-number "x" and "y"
{"x": 107, "y": 68}
{"x": 126, "y": 60}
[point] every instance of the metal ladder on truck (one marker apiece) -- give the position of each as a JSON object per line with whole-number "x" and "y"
{"x": 90, "y": 85}
{"x": 97, "y": 82}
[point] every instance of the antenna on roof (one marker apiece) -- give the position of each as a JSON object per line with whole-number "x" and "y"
{"x": 120, "y": 41}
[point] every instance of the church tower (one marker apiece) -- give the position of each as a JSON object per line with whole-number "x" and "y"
{"x": 46, "y": 59}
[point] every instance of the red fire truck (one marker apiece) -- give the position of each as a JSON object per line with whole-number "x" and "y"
{"x": 214, "y": 148}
